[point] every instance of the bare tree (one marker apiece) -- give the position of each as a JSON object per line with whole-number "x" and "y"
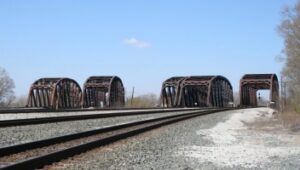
{"x": 289, "y": 29}
{"x": 19, "y": 101}
{"x": 6, "y": 88}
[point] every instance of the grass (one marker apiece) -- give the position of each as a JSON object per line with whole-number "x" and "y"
{"x": 290, "y": 117}
{"x": 297, "y": 108}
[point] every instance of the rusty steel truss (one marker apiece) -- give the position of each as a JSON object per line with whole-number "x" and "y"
{"x": 196, "y": 91}
{"x": 54, "y": 93}
{"x": 103, "y": 91}
{"x": 251, "y": 83}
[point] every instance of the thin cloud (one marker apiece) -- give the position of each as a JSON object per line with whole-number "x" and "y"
{"x": 136, "y": 43}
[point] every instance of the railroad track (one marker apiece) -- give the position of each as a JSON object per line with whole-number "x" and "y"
{"x": 41, "y": 120}
{"x": 37, "y": 154}
{"x": 43, "y": 110}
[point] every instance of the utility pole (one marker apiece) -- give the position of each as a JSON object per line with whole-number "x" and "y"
{"x": 131, "y": 103}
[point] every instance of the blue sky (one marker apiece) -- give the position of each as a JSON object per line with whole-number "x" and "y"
{"x": 143, "y": 42}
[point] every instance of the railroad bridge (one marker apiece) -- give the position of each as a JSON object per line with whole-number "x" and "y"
{"x": 54, "y": 93}
{"x": 192, "y": 91}
{"x": 196, "y": 91}
{"x": 103, "y": 91}
{"x": 251, "y": 83}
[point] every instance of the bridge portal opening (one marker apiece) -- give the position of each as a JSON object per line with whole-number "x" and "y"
{"x": 263, "y": 97}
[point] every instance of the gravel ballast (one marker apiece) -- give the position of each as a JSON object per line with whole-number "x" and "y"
{"x": 241, "y": 139}
{"x": 22, "y": 134}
